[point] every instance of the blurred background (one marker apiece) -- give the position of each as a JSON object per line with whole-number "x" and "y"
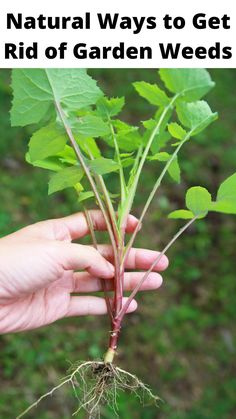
{"x": 182, "y": 339}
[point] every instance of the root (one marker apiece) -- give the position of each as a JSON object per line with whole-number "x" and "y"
{"x": 96, "y": 384}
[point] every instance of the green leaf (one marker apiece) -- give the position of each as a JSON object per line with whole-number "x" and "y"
{"x": 50, "y": 163}
{"x": 227, "y": 190}
{"x": 78, "y": 187}
{"x": 150, "y": 124}
{"x": 152, "y": 93}
{"x": 101, "y": 166}
{"x": 225, "y": 207}
{"x": 124, "y": 155}
{"x": 107, "y": 108}
{"x": 55, "y": 163}
{"x": 129, "y": 161}
{"x": 34, "y": 90}
{"x": 163, "y": 156}
{"x": 198, "y": 200}
{"x": 160, "y": 141}
{"x": 127, "y": 136}
{"x": 191, "y": 83}
{"x": 83, "y": 196}
{"x": 66, "y": 178}
{"x": 174, "y": 170}
{"x": 67, "y": 155}
{"x": 46, "y": 142}
{"x": 177, "y": 131}
{"x": 130, "y": 141}
{"x": 88, "y": 145}
{"x": 182, "y": 214}
{"x": 226, "y": 197}
{"x": 122, "y": 126}
{"x": 90, "y": 126}
{"x": 161, "y": 138}
{"x": 195, "y": 115}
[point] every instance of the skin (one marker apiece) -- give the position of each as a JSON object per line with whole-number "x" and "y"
{"x": 39, "y": 267}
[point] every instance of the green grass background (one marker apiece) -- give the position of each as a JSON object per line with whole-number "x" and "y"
{"x": 181, "y": 341}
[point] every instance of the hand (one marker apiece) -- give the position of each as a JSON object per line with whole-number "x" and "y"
{"x": 38, "y": 267}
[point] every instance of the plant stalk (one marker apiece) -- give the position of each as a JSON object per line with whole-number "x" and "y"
{"x": 121, "y": 171}
{"x": 103, "y": 281}
{"x": 132, "y": 190}
{"x": 151, "y": 196}
{"x": 158, "y": 258}
{"x": 89, "y": 177}
{"x": 110, "y": 209}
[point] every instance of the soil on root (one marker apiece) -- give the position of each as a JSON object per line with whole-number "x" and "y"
{"x": 96, "y": 385}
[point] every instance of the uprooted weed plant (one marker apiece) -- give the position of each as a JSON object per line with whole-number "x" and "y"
{"x": 81, "y": 141}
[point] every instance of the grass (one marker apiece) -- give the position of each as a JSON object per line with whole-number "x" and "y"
{"x": 186, "y": 330}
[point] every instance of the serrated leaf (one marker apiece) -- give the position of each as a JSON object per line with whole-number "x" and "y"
{"x": 181, "y": 214}
{"x": 226, "y": 197}
{"x": 174, "y": 170}
{"x": 90, "y": 126}
{"x": 152, "y": 93}
{"x": 191, "y": 83}
{"x": 47, "y": 142}
{"x": 50, "y": 163}
{"x": 107, "y": 108}
{"x": 195, "y": 115}
{"x": 198, "y": 200}
{"x": 66, "y": 178}
{"x": 34, "y": 90}
{"x": 102, "y": 166}
{"x": 83, "y": 196}
{"x": 177, "y": 131}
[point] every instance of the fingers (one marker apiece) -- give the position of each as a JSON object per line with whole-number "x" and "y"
{"x": 83, "y": 282}
{"x": 74, "y": 226}
{"x": 78, "y": 227}
{"x": 86, "y": 306}
{"x": 138, "y": 258}
{"x": 73, "y": 256}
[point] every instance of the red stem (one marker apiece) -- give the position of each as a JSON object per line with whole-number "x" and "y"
{"x": 118, "y": 298}
{"x": 114, "y": 336}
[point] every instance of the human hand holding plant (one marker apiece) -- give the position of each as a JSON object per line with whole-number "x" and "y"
{"x": 38, "y": 265}
{"x": 81, "y": 141}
